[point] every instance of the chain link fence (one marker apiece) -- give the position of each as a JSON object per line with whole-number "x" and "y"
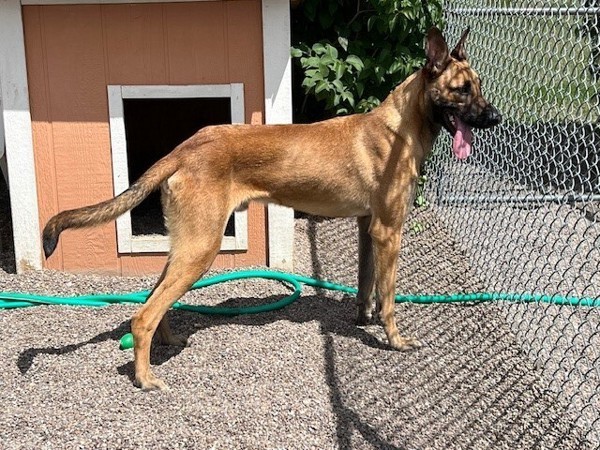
{"x": 525, "y": 208}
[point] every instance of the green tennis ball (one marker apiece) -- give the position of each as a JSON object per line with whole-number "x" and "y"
{"x": 126, "y": 342}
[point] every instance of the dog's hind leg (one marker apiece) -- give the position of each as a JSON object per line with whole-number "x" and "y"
{"x": 164, "y": 335}
{"x": 366, "y": 272}
{"x": 181, "y": 274}
{"x": 196, "y": 223}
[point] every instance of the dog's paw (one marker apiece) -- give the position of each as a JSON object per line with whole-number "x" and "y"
{"x": 404, "y": 344}
{"x": 175, "y": 340}
{"x": 178, "y": 341}
{"x": 363, "y": 320}
{"x": 151, "y": 383}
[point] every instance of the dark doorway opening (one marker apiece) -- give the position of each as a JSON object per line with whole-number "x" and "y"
{"x": 153, "y": 128}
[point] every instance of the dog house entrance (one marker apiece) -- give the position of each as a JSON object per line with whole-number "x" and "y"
{"x": 147, "y": 122}
{"x": 154, "y": 127}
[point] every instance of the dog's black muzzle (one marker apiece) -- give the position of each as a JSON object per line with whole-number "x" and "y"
{"x": 487, "y": 118}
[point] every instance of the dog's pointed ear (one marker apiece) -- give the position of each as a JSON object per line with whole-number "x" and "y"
{"x": 459, "y": 51}
{"x": 436, "y": 51}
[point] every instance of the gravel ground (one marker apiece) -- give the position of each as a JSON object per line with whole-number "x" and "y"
{"x": 543, "y": 247}
{"x": 302, "y": 377}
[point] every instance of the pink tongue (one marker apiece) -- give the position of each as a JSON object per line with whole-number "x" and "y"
{"x": 461, "y": 146}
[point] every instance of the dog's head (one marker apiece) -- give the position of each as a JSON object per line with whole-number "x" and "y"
{"x": 454, "y": 90}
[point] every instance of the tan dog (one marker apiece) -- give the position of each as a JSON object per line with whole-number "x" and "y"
{"x": 362, "y": 165}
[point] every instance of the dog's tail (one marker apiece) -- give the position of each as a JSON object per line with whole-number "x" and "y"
{"x": 108, "y": 210}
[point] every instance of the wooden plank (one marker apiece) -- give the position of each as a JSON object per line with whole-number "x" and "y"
{"x": 257, "y": 251}
{"x": 245, "y": 50}
{"x": 196, "y": 43}
{"x": 37, "y": 78}
{"x": 134, "y": 44}
{"x": 137, "y": 265}
{"x": 78, "y": 110}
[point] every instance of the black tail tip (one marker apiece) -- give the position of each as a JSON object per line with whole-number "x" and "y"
{"x": 50, "y": 243}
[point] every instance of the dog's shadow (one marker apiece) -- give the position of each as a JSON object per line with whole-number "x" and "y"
{"x": 334, "y": 317}
{"x": 27, "y": 357}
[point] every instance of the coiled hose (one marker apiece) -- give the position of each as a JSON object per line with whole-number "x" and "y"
{"x": 10, "y": 300}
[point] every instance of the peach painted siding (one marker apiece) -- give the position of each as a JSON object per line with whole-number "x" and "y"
{"x": 75, "y": 51}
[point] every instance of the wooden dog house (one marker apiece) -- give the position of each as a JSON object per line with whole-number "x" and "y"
{"x": 93, "y": 91}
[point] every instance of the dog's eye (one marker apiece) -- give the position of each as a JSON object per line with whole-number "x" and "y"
{"x": 465, "y": 88}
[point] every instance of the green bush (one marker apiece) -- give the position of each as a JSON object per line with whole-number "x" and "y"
{"x": 350, "y": 54}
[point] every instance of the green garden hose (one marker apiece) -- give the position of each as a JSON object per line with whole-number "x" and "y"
{"x": 10, "y": 300}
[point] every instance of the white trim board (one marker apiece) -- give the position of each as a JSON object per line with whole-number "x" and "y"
{"x": 278, "y": 109}
{"x": 16, "y": 119}
{"x": 126, "y": 241}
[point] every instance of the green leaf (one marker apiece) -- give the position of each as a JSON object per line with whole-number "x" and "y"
{"x": 379, "y": 74}
{"x": 402, "y": 50}
{"x": 355, "y": 62}
{"x": 360, "y": 88}
{"x": 392, "y": 23}
{"x": 417, "y": 228}
{"x": 395, "y": 66}
{"x": 319, "y": 48}
{"x": 343, "y": 42}
{"x": 408, "y": 13}
{"x": 312, "y": 61}
{"x": 338, "y": 85}
{"x": 295, "y": 52}
{"x": 340, "y": 69}
{"x": 421, "y": 201}
{"x": 324, "y": 70}
{"x": 308, "y": 83}
{"x": 373, "y": 101}
{"x": 329, "y": 100}
{"x": 372, "y": 22}
{"x": 347, "y": 96}
{"x": 327, "y": 60}
{"x": 332, "y": 51}
{"x": 313, "y": 73}
{"x": 321, "y": 86}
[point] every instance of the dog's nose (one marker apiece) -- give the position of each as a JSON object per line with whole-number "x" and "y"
{"x": 492, "y": 116}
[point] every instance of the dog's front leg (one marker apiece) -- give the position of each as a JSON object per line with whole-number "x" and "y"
{"x": 366, "y": 272}
{"x": 386, "y": 245}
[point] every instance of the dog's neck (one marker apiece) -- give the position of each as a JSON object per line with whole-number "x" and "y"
{"x": 397, "y": 114}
